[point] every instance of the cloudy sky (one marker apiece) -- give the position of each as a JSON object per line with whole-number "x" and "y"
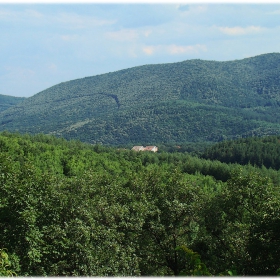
{"x": 44, "y": 44}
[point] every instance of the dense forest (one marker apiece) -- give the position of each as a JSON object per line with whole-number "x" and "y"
{"x": 263, "y": 151}
{"x": 7, "y": 101}
{"x": 189, "y": 101}
{"x": 73, "y": 209}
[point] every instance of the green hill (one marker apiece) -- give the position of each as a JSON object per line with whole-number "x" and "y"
{"x": 189, "y": 101}
{"x": 7, "y": 101}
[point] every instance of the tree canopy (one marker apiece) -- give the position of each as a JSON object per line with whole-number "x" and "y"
{"x": 74, "y": 209}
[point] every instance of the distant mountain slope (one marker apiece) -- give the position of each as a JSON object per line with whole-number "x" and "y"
{"x": 193, "y": 100}
{"x": 7, "y": 101}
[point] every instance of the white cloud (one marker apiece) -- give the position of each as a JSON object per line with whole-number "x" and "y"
{"x": 174, "y": 49}
{"x": 76, "y": 21}
{"x": 149, "y": 50}
{"x": 147, "y": 33}
{"x": 20, "y": 73}
{"x": 237, "y": 30}
{"x": 52, "y": 67}
{"x": 5, "y": 14}
{"x": 33, "y": 13}
{"x": 24, "y": 15}
{"x": 69, "y": 38}
{"x": 128, "y": 34}
{"x": 123, "y": 35}
{"x": 276, "y": 12}
{"x": 195, "y": 10}
{"x": 69, "y": 20}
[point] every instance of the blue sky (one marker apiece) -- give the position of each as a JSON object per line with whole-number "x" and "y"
{"x": 44, "y": 44}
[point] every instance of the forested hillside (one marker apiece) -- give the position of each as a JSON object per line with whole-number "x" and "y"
{"x": 189, "y": 101}
{"x": 257, "y": 151}
{"x": 74, "y": 209}
{"x": 8, "y": 101}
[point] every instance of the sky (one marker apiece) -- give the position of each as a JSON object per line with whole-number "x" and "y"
{"x": 43, "y": 44}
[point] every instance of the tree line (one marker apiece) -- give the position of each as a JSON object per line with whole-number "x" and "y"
{"x": 259, "y": 151}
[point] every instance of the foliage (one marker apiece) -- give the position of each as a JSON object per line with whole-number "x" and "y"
{"x": 243, "y": 208}
{"x": 74, "y": 209}
{"x": 194, "y": 266}
{"x": 189, "y": 101}
{"x": 7, "y": 102}
{"x": 5, "y": 264}
{"x": 259, "y": 151}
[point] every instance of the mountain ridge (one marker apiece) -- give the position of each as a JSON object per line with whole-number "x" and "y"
{"x": 158, "y": 103}
{"x": 7, "y": 101}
